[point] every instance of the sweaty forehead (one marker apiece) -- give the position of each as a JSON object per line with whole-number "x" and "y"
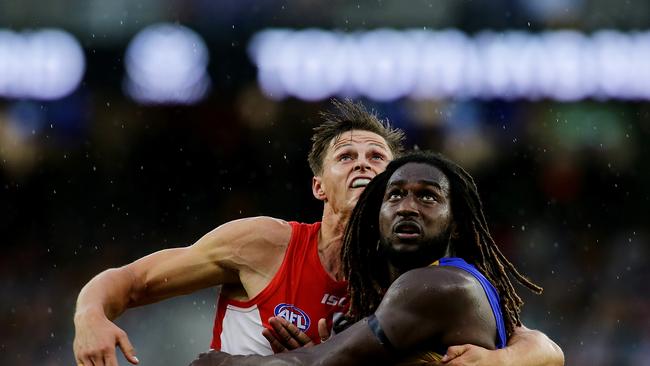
{"x": 357, "y": 137}
{"x": 420, "y": 172}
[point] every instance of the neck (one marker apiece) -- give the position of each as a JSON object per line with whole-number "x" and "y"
{"x": 394, "y": 272}
{"x": 330, "y": 240}
{"x": 398, "y": 266}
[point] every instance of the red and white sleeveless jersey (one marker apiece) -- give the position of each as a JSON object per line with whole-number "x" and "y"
{"x": 302, "y": 292}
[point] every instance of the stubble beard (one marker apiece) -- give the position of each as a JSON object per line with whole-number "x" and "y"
{"x": 405, "y": 260}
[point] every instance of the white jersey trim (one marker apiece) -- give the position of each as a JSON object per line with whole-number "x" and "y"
{"x": 241, "y": 332}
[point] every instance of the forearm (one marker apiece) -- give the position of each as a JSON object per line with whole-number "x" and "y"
{"x": 212, "y": 358}
{"x": 355, "y": 346}
{"x": 531, "y": 348}
{"x": 109, "y": 293}
{"x": 298, "y": 357}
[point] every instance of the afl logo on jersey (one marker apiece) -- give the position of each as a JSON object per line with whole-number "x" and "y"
{"x": 293, "y": 315}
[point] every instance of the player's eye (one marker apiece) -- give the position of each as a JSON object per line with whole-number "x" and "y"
{"x": 428, "y": 198}
{"x": 394, "y": 195}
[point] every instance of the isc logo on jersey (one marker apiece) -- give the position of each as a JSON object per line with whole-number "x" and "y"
{"x": 293, "y": 315}
{"x": 333, "y": 300}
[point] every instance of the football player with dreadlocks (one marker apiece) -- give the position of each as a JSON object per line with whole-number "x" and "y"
{"x": 423, "y": 273}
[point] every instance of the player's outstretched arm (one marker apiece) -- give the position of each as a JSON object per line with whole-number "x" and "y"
{"x": 222, "y": 256}
{"x": 526, "y": 347}
{"x": 423, "y": 305}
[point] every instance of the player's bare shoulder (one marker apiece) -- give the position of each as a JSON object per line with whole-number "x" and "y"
{"x": 430, "y": 285}
{"x": 247, "y": 242}
{"x": 440, "y": 280}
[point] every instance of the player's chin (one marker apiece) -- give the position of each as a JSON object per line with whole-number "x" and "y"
{"x": 405, "y": 247}
{"x": 354, "y": 195}
{"x": 407, "y": 257}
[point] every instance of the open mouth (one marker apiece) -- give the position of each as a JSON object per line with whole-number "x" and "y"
{"x": 407, "y": 230}
{"x": 360, "y": 182}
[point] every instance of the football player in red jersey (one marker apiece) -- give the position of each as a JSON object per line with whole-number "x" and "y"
{"x": 247, "y": 255}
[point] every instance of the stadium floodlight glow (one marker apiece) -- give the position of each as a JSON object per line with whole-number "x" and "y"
{"x": 387, "y": 64}
{"x": 166, "y": 64}
{"x": 44, "y": 64}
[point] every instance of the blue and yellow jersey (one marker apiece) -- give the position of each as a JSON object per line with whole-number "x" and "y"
{"x": 493, "y": 298}
{"x": 490, "y": 291}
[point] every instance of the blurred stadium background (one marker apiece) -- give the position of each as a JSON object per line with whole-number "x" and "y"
{"x": 128, "y": 127}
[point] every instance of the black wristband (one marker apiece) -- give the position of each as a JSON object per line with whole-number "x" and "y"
{"x": 375, "y": 327}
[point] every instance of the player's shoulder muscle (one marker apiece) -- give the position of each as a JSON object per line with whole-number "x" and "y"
{"x": 431, "y": 284}
{"x": 246, "y": 239}
{"x": 440, "y": 297}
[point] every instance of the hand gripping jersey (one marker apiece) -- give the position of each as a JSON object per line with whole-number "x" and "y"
{"x": 301, "y": 291}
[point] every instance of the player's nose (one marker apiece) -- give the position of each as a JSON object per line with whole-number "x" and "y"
{"x": 362, "y": 163}
{"x": 408, "y": 207}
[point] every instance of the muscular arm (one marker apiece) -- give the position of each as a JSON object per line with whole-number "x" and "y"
{"x": 239, "y": 251}
{"x": 424, "y": 306}
{"x": 530, "y": 347}
{"x": 356, "y": 346}
{"x": 525, "y": 347}
{"x": 450, "y": 305}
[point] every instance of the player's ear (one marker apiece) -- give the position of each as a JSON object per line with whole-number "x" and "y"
{"x": 317, "y": 188}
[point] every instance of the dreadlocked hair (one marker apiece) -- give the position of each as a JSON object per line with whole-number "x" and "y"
{"x": 365, "y": 266}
